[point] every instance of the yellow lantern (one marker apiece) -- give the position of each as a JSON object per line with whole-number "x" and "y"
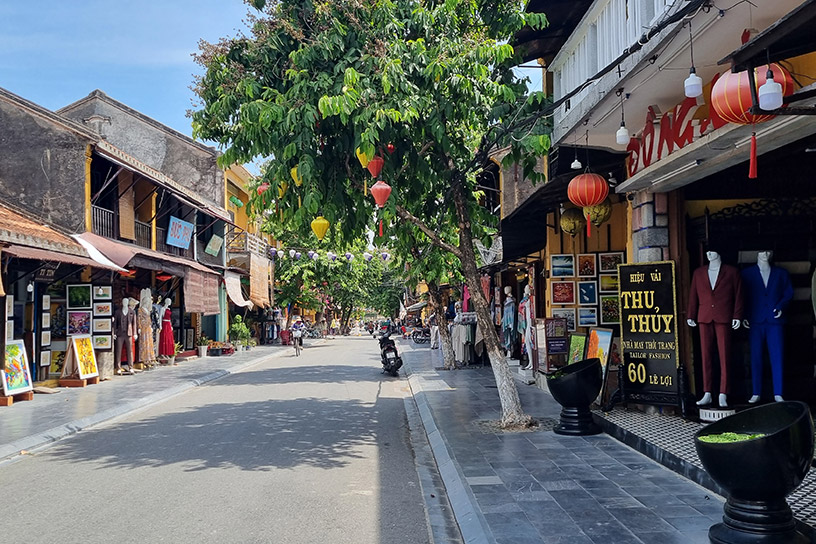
{"x": 296, "y": 177}
{"x": 319, "y": 226}
{"x": 362, "y": 157}
{"x": 282, "y": 189}
{"x": 599, "y": 213}
{"x": 572, "y": 221}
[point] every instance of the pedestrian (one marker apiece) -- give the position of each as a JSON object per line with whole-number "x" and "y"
{"x": 434, "y": 332}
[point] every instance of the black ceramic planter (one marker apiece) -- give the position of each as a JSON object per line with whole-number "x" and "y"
{"x": 576, "y": 386}
{"x": 758, "y": 474}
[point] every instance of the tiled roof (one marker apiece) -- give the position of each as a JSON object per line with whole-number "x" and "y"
{"x": 16, "y": 228}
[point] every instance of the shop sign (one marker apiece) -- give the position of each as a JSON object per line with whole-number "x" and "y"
{"x": 648, "y": 317}
{"x": 664, "y": 134}
{"x": 47, "y": 272}
{"x": 179, "y": 233}
{"x": 214, "y": 245}
{"x": 556, "y": 335}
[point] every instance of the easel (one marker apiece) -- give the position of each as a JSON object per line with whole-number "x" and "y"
{"x": 71, "y": 376}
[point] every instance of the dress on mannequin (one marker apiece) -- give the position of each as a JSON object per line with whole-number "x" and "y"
{"x": 167, "y": 344}
{"x": 146, "y": 353}
{"x": 124, "y": 327}
{"x": 156, "y": 324}
{"x": 769, "y": 290}
{"x": 509, "y": 323}
{"x": 715, "y": 304}
{"x": 525, "y": 323}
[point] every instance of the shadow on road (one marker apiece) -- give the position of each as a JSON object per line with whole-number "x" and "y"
{"x": 311, "y": 374}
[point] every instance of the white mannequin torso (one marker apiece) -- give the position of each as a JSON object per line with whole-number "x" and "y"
{"x": 714, "y": 270}
{"x": 764, "y": 271}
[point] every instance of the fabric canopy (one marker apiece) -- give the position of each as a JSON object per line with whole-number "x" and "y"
{"x": 24, "y": 252}
{"x": 122, "y": 255}
{"x": 233, "y": 283}
{"x": 259, "y": 280}
{"x": 417, "y": 306}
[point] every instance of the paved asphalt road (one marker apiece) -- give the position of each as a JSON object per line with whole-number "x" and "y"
{"x": 314, "y": 449}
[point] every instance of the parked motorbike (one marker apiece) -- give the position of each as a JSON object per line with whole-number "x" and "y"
{"x": 421, "y": 336}
{"x": 391, "y": 361}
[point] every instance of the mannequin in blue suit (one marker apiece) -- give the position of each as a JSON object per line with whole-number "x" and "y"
{"x": 769, "y": 291}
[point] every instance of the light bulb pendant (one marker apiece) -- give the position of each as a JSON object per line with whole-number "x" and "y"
{"x": 770, "y": 94}
{"x": 693, "y": 85}
{"x": 576, "y": 165}
{"x": 622, "y": 135}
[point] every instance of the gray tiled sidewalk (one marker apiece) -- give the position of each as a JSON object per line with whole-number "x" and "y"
{"x": 539, "y": 487}
{"x": 28, "y": 425}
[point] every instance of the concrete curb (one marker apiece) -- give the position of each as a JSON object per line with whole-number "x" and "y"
{"x": 472, "y": 525}
{"x": 45, "y": 438}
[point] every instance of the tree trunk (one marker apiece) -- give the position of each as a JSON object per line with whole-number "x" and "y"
{"x": 446, "y": 344}
{"x": 512, "y": 413}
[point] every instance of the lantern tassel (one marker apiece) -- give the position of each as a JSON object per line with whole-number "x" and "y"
{"x": 752, "y": 170}
{"x": 298, "y": 201}
{"x": 381, "y": 228}
{"x": 589, "y": 227}
{"x": 365, "y": 187}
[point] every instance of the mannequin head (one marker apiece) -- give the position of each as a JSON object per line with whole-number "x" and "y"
{"x": 167, "y": 302}
{"x": 712, "y": 256}
{"x": 764, "y": 256}
{"x": 146, "y": 299}
{"x": 508, "y": 290}
{"x": 132, "y": 303}
{"x": 526, "y": 290}
{"x": 125, "y": 305}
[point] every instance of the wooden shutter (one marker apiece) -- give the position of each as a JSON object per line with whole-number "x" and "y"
{"x": 127, "y": 216}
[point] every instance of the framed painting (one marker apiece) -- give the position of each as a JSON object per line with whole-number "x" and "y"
{"x": 57, "y": 362}
{"x": 102, "y": 309}
{"x": 46, "y": 303}
{"x": 189, "y": 338}
{"x": 16, "y": 377}
{"x": 9, "y": 330}
{"x": 588, "y": 293}
{"x": 46, "y": 320}
{"x": 562, "y": 292}
{"x": 610, "y": 310}
{"x": 608, "y": 262}
{"x": 102, "y": 325}
{"x": 83, "y": 352}
{"x": 600, "y": 344}
{"x": 587, "y": 317}
{"x": 103, "y": 292}
{"x": 78, "y": 296}
{"x": 45, "y": 338}
{"x": 562, "y": 266}
{"x": 577, "y": 347}
{"x": 79, "y": 323}
{"x": 45, "y": 358}
{"x": 566, "y": 313}
{"x": 9, "y": 306}
{"x": 587, "y": 265}
{"x": 103, "y": 342}
{"x": 608, "y": 283}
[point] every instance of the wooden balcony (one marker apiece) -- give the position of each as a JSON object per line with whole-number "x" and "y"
{"x": 103, "y": 222}
{"x": 161, "y": 245}
{"x": 143, "y": 235}
{"x": 240, "y": 241}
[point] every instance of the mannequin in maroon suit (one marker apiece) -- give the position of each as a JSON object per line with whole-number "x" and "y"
{"x": 715, "y": 303}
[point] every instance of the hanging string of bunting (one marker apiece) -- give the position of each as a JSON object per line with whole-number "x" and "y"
{"x": 297, "y": 253}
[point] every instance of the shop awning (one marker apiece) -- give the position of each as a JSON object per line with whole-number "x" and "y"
{"x": 201, "y": 293}
{"x": 117, "y": 156}
{"x": 36, "y": 254}
{"x": 233, "y": 283}
{"x": 125, "y": 255}
{"x": 416, "y": 307}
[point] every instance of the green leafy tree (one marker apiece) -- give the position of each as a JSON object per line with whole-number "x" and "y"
{"x": 426, "y": 84}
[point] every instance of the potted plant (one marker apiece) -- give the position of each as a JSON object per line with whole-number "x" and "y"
{"x": 574, "y": 387}
{"x": 239, "y": 332}
{"x": 202, "y": 344}
{"x": 758, "y": 456}
{"x": 216, "y": 349}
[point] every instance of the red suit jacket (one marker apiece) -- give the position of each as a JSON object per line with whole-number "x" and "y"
{"x": 720, "y": 305}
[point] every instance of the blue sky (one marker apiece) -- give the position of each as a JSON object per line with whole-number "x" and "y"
{"x": 138, "y": 52}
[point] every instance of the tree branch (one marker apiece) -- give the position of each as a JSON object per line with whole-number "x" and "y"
{"x": 404, "y": 214}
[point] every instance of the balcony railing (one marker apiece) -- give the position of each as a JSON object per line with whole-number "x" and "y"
{"x": 143, "y": 237}
{"x": 239, "y": 240}
{"x": 103, "y": 222}
{"x": 161, "y": 245}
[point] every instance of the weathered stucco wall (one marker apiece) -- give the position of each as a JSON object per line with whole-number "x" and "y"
{"x": 185, "y": 161}
{"x": 42, "y": 168}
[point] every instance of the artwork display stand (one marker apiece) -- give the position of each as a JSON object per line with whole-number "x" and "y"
{"x": 71, "y": 371}
{"x": 19, "y": 397}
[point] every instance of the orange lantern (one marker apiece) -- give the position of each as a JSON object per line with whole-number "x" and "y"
{"x": 375, "y": 166}
{"x": 587, "y": 190}
{"x": 731, "y": 100}
{"x": 380, "y": 191}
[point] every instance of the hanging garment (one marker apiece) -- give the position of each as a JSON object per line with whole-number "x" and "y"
{"x": 525, "y": 325}
{"x": 167, "y": 345}
{"x": 509, "y": 325}
{"x": 146, "y": 353}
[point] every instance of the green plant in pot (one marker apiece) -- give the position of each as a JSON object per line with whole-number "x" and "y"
{"x": 758, "y": 456}
{"x": 202, "y": 344}
{"x": 239, "y": 332}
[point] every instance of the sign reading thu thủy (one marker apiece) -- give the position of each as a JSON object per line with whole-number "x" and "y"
{"x": 648, "y": 321}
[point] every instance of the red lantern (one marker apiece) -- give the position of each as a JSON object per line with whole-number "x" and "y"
{"x": 375, "y": 166}
{"x": 587, "y": 190}
{"x": 380, "y": 191}
{"x": 390, "y": 148}
{"x": 731, "y": 100}
{"x": 262, "y": 188}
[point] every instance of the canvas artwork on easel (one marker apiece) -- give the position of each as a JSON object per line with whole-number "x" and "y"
{"x": 80, "y": 359}
{"x": 16, "y": 377}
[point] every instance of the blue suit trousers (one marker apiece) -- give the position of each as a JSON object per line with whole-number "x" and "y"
{"x": 770, "y": 336}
